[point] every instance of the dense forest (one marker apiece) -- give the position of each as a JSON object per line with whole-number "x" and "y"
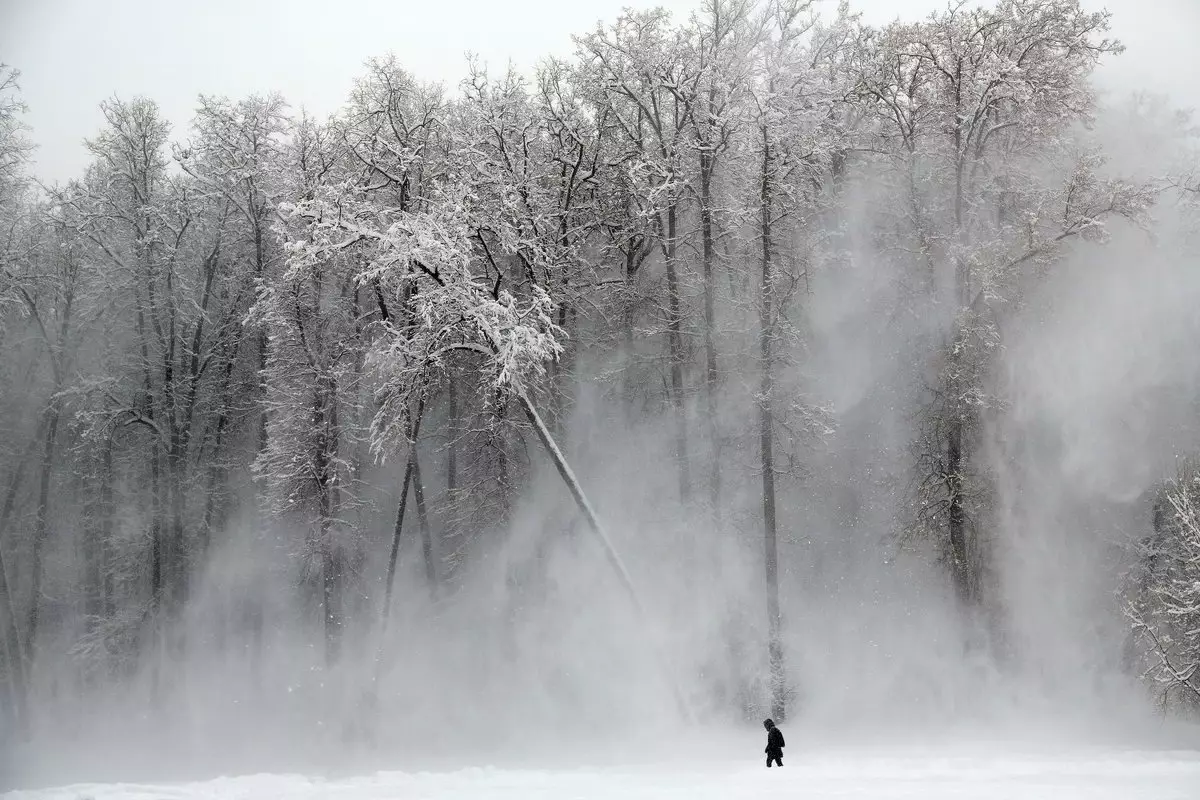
{"x": 705, "y": 374}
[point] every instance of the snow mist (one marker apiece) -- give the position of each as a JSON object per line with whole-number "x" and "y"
{"x": 975, "y": 377}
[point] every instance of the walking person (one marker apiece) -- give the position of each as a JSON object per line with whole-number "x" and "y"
{"x": 775, "y": 743}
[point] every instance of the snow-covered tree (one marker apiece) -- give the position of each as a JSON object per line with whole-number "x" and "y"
{"x": 642, "y": 78}
{"x": 1163, "y": 595}
{"x": 309, "y": 309}
{"x": 235, "y": 158}
{"x": 14, "y": 152}
{"x": 978, "y": 110}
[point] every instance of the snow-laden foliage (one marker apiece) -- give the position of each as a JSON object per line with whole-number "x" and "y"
{"x": 426, "y": 266}
{"x": 1163, "y": 593}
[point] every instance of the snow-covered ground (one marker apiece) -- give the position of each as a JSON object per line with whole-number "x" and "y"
{"x": 1092, "y": 774}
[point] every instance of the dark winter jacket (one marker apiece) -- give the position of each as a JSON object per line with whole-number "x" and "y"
{"x": 774, "y": 742}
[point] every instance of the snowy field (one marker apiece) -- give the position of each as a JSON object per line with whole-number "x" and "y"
{"x": 1093, "y": 774}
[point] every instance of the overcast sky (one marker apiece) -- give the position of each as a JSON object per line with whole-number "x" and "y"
{"x": 74, "y": 53}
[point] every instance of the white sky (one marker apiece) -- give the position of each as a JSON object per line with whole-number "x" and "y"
{"x": 74, "y": 53}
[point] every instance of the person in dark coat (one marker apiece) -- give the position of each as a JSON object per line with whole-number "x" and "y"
{"x": 775, "y": 744}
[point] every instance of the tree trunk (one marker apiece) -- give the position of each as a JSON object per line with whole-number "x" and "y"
{"x": 12, "y": 648}
{"x": 770, "y": 541}
{"x": 41, "y": 527}
{"x": 393, "y": 556}
{"x": 158, "y": 570}
{"x": 214, "y": 487}
{"x": 332, "y": 567}
{"x": 398, "y": 530}
{"x": 331, "y": 585}
{"x": 12, "y": 633}
{"x": 707, "y": 166}
{"x": 260, "y": 343}
{"x": 960, "y": 567}
{"x": 93, "y": 560}
{"x": 627, "y": 320}
{"x": 157, "y": 544}
{"x": 452, "y": 435}
{"x": 504, "y": 501}
{"x": 177, "y": 561}
{"x": 108, "y": 512}
{"x": 956, "y": 445}
{"x": 675, "y": 348}
{"x": 181, "y": 441}
{"x": 585, "y": 507}
{"x": 173, "y": 487}
{"x": 558, "y": 374}
{"x": 431, "y": 571}
{"x": 215, "y": 511}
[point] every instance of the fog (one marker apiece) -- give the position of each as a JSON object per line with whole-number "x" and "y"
{"x": 531, "y": 652}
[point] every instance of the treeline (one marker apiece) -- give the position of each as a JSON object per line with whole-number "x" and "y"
{"x": 277, "y": 323}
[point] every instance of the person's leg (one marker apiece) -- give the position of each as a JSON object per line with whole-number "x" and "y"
{"x": 768, "y": 760}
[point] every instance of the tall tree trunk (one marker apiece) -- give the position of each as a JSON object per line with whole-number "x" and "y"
{"x": 427, "y": 550}
{"x": 157, "y": 534}
{"x": 675, "y": 348}
{"x": 558, "y": 373}
{"x": 451, "y": 434}
{"x": 707, "y": 167}
{"x": 177, "y": 558}
{"x": 40, "y": 532}
{"x": 331, "y": 584}
{"x": 181, "y": 436}
{"x": 256, "y": 610}
{"x": 216, "y": 508}
{"x": 398, "y": 529}
{"x": 593, "y": 522}
{"x": 173, "y": 486}
{"x": 394, "y": 554}
{"x": 581, "y": 501}
{"x": 770, "y": 541}
{"x": 93, "y": 561}
{"x": 956, "y": 423}
{"x": 627, "y": 320}
{"x": 332, "y": 567}
{"x": 108, "y": 512}
{"x": 146, "y": 408}
{"x": 175, "y": 552}
{"x": 214, "y": 516}
{"x": 12, "y": 634}
{"x": 260, "y": 341}
{"x": 256, "y": 604}
{"x": 12, "y": 648}
{"x": 504, "y": 501}
{"x": 960, "y": 567}
{"x": 158, "y": 569}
